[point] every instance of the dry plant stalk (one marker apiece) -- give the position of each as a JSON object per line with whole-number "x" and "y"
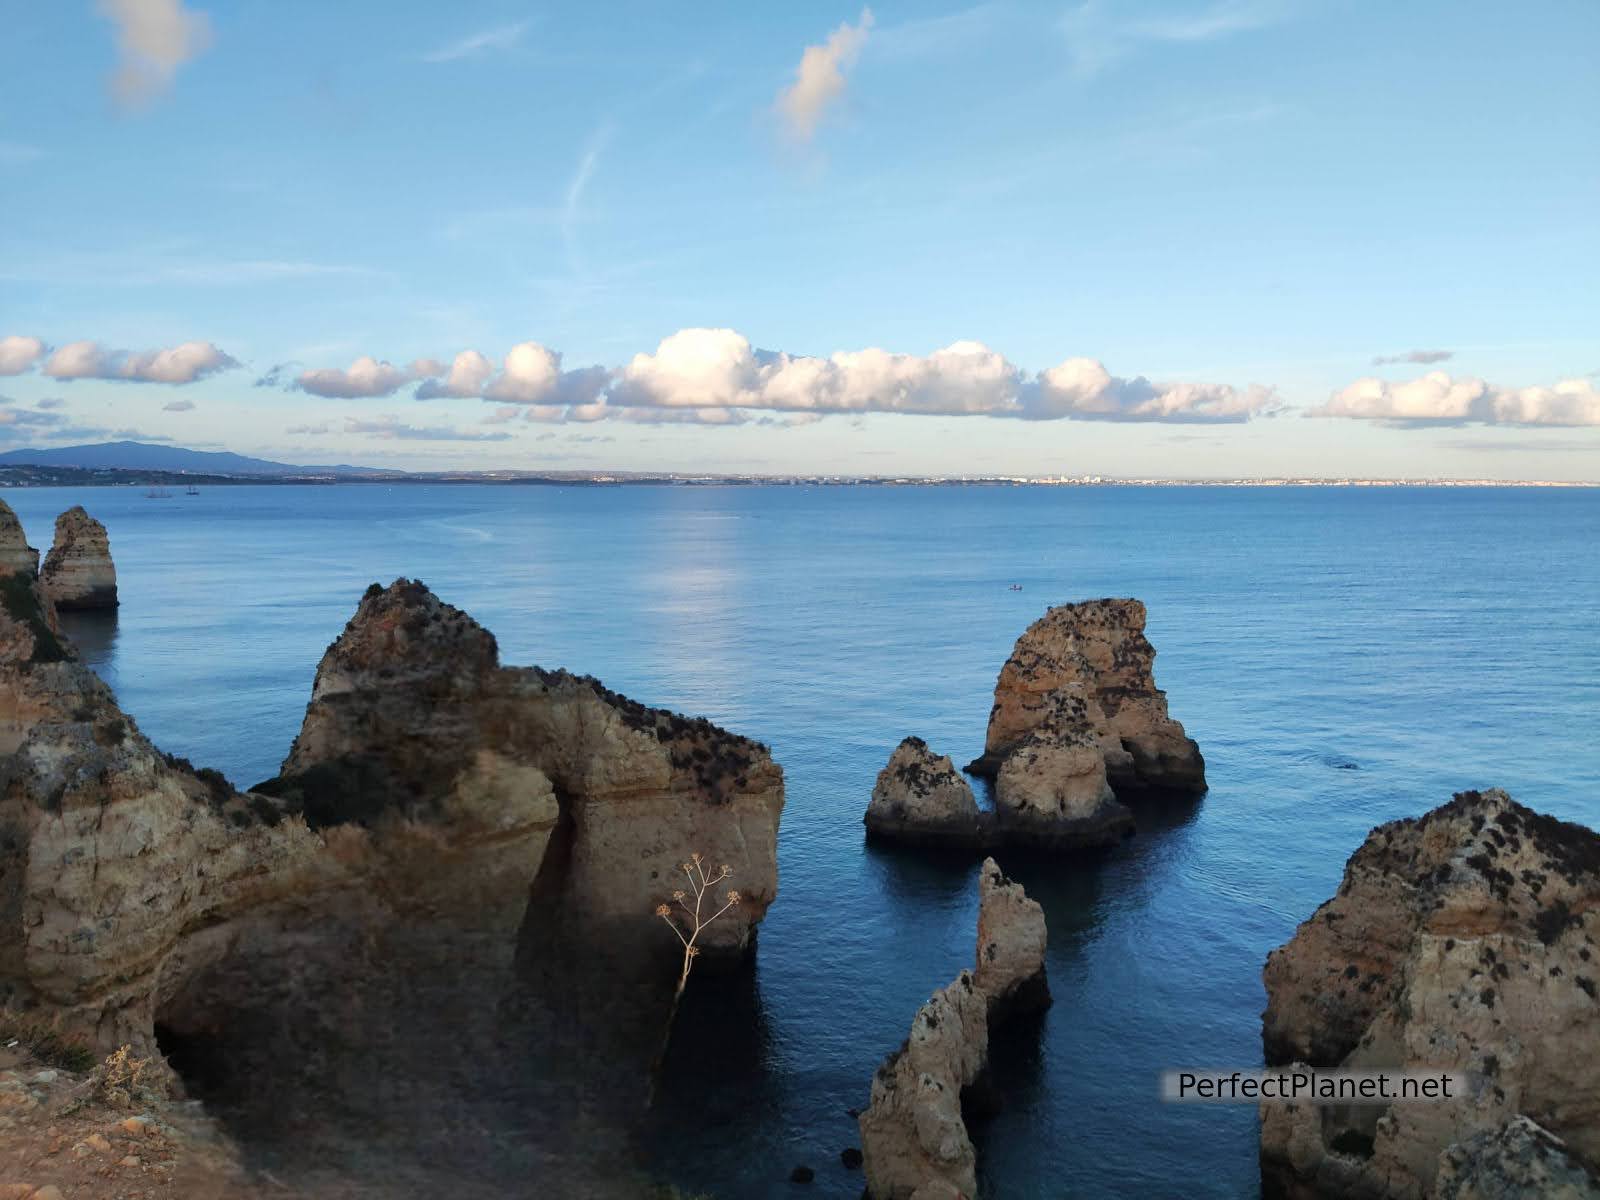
{"x": 700, "y": 884}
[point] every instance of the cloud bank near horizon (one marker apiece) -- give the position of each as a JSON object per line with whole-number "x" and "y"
{"x": 1440, "y": 399}
{"x": 715, "y": 376}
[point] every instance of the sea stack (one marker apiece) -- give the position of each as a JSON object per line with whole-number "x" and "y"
{"x": 914, "y": 1138}
{"x": 920, "y": 797}
{"x": 16, "y": 556}
{"x": 1466, "y": 940}
{"x": 78, "y": 573}
{"x": 1088, "y": 668}
{"x": 1011, "y": 945}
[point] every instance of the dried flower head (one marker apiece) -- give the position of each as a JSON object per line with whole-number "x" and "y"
{"x": 678, "y": 895}
{"x": 662, "y": 910}
{"x": 733, "y": 897}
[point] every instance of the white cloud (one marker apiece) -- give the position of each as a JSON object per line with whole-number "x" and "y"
{"x": 18, "y": 354}
{"x": 154, "y": 39}
{"x": 531, "y": 374}
{"x": 365, "y": 377}
{"x": 466, "y": 376}
{"x": 819, "y": 79}
{"x": 505, "y": 37}
{"x": 1438, "y": 399}
{"x": 715, "y": 376}
{"x": 1084, "y": 389}
{"x": 179, "y": 364}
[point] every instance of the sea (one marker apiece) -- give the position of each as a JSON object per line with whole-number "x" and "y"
{"x": 1344, "y": 656}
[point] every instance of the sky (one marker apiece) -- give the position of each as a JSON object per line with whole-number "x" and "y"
{"x": 1215, "y": 238}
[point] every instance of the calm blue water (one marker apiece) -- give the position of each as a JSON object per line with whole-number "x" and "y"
{"x": 1343, "y": 657}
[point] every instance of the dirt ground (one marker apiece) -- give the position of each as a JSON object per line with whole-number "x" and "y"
{"x": 68, "y": 1135}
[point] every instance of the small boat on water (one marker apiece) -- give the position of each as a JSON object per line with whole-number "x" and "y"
{"x": 158, "y": 493}
{"x": 191, "y": 490}
{"x": 1016, "y": 587}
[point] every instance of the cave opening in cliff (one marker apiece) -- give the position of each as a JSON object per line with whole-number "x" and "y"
{"x": 200, "y": 1060}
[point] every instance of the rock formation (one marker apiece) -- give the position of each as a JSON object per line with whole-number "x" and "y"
{"x": 920, "y": 797}
{"x": 16, "y": 556}
{"x": 1011, "y": 944}
{"x": 1466, "y": 940}
{"x": 78, "y": 573}
{"x": 913, "y": 1136}
{"x": 1515, "y": 1161}
{"x": 412, "y": 716}
{"x": 912, "y": 1133}
{"x": 1088, "y": 668}
{"x": 450, "y": 845}
{"x": 1051, "y": 792}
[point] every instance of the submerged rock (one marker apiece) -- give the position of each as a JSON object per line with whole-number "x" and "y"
{"x": 1088, "y": 667}
{"x": 1466, "y": 940}
{"x": 16, "y": 556}
{"x": 1011, "y": 945}
{"x": 920, "y": 797}
{"x": 78, "y": 572}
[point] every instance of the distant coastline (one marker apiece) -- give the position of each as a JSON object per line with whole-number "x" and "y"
{"x": 24, "y": 476}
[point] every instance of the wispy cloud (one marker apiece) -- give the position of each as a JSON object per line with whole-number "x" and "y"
{"x": 392, "y": 428}
{"x": 118, "y": 268}
{"x": 819, "y": 80}
{"x": 1414, "y": 356}
{"x": 1098, "y": 35}
{"x": 487, "y": 41}
{"x": 15, "y": 154}
{"x": 154, "y": 39}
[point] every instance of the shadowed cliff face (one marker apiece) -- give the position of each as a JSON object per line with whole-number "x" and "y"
{"x": 439, "y": 916}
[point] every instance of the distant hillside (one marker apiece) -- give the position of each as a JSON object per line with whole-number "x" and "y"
{"x": 142, "y": 456}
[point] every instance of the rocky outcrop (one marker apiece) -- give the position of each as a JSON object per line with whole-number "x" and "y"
{"x": 78, "y": 572}
{"x": 912, "y": 1132}
{"x": 913, "y": 1136}
{"x": 1051, "y": 792}
{"x": 16, "y": 556}
{"x": 1467, "y": 940}
{"x": 1088, "y": 668}
{"x": 412, "y": 716}
{"x": 413, "y": 818}
{"x": 1516, "y": 1161}
{"x": 1011, "y": 944}
{"x": 921, "y": 798}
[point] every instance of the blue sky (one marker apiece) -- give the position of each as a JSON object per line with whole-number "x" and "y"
{"x": 1128, "y": 239}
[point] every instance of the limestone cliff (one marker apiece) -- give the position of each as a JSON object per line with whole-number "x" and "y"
{"x": 16, "y": 556}
{"x": 1089, "y": 667}
{"x": 411, "y": 700}
{"x": 78, "y": 572}
{"x": 414, "y": 815}
{"x": 1465, "y": 940}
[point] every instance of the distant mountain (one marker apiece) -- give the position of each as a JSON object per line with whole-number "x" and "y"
{"x": 142, "y": 456}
